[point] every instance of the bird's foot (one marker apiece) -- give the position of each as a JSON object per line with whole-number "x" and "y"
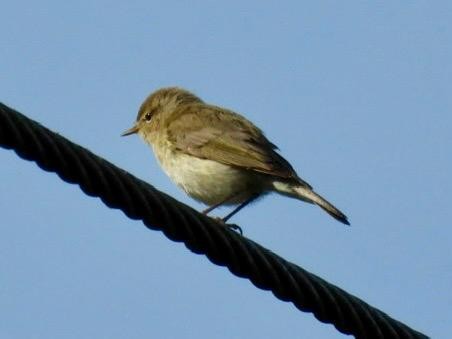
{"x": 233, "y": 227}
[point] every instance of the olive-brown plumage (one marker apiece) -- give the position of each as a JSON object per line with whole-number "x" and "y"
{"x": 217, "y": 156}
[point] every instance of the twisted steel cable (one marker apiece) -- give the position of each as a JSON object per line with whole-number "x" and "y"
{"x": 201, "y": 234}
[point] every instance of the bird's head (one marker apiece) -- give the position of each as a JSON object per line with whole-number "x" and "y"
{"x": 158, "y": 105}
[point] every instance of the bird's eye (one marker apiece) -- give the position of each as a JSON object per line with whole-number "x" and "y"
{"x": 148, "y": 117}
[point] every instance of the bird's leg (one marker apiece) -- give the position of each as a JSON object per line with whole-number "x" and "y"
{"x": 239, "y": 207}
{"x": 211, "y": 208}
{"x": 231, "y": 226}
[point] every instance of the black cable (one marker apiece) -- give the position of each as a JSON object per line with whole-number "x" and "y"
{"x": 202, "y": 235}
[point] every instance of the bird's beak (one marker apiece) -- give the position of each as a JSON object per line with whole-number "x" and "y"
{"x": 130, "y": 131}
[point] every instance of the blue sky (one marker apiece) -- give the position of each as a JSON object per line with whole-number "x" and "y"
{"x": 356, "y": 95}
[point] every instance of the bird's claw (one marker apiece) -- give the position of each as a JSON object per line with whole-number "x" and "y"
{"x": 233, "y": 227}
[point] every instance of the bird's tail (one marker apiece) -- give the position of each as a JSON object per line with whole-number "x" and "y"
{"x": 306, "y": 194}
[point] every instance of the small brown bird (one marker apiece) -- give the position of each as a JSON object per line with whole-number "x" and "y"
{"x": 217, "y": 156}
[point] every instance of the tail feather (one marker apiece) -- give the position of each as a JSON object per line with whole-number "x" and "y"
{"x": 323, "y": 203}
{"x": 306, "y": 193}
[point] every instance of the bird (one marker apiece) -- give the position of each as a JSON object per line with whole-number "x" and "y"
{"x": 217, "y": 156}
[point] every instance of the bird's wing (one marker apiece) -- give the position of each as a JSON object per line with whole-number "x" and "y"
{"x": 210, "y": 132}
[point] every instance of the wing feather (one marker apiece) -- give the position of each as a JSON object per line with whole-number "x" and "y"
{"x": 210, "y": 132}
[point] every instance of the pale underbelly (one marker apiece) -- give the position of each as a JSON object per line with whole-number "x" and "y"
{"x": 209, "y": 181}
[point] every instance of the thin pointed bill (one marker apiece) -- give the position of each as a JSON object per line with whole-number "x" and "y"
{"x": 130, "y": 131}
